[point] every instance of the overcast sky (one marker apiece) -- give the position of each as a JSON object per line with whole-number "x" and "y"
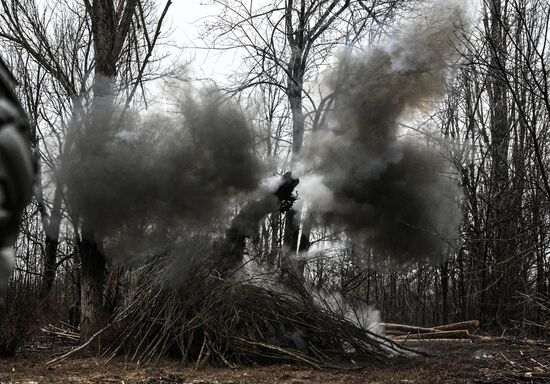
{"x": 185, "y": 18}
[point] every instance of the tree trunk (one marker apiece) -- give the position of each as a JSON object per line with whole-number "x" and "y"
{"x": 52, "y": 241}
{"x": 109, "y": 29}
{"x": 93, "y": 313}
{"x": 503, "y": 246}
{"x": 295, "y": 84}
{"x": 445, "y": 292}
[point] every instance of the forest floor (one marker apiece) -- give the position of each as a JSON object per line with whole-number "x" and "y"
{"x": 495, "y": 362}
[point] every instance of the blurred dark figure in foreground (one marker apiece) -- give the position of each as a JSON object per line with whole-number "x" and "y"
{"x": 16, "y": 172}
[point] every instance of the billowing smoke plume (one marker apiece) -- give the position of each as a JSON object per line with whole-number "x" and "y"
{"x": 145, "y": 177}
{"x": 365, "y": 316}
{"x": 393, "y": 192}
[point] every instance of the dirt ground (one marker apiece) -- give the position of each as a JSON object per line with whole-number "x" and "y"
{"x": 463, "y": 363}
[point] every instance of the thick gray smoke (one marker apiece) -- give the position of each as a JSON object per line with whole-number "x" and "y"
{"x": 153, "y": 177}
{"x": 393, "y": 192}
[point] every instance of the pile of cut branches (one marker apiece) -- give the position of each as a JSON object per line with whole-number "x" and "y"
{"x": 222, "y": 321}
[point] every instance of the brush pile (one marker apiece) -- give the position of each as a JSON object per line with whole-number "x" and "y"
{"x": 216, "y": 320}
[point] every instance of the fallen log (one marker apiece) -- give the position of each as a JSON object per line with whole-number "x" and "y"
{"x": 438, "y": 341}
{"x": 470, "y": 325}
{"x": 458, "y": 334}
{"x": 407, "y": 328}
{"x": 396, "y": 333}
{"x": 487, "y": 338}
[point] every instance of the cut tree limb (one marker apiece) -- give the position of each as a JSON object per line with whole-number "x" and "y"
{"x": 435, "y": 341}
{"x": 79, "y": 348}
{"x": 458, "y": 334}
{"x": 398, "y": 333}
{"x": 469, "y": 325}
{"x": 395, "y": 329}
{"x": 407, "y": 328}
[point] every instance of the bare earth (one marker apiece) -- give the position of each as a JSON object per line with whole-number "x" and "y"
{"x": 449, "y": 364}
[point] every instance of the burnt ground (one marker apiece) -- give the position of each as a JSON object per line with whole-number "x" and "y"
{"x": 494, "y": 362}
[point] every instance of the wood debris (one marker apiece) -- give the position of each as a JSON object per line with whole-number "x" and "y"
{"x": 447, "y": 333}
{"x": 63, "y": 331}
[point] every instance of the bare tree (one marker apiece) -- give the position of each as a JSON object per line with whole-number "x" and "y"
{"x": 76, "y": 46}
{"x": 286, "y": 45}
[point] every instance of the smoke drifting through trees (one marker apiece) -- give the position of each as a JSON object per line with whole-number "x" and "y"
{"x": 394, "y": 193}
{"x": 146, "y": 178}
